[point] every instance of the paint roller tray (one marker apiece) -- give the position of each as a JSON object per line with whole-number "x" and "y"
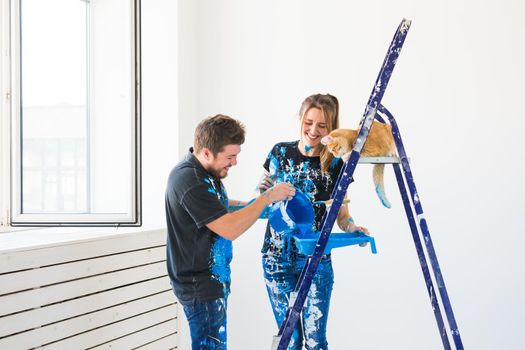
{"x": 306, "y": 242}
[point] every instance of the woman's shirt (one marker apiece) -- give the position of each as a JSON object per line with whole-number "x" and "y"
{"x": 286, "y": 163}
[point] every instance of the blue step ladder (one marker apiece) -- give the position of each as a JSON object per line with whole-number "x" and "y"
{"x": 374, "y": 110}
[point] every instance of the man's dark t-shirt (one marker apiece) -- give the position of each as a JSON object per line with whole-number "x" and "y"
{"x": 198, "y": 259}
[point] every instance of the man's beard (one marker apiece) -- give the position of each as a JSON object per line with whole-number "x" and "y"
{"x": 217, "y": 173}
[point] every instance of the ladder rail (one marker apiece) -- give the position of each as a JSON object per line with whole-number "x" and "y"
{"x": 293, "y": 313}
{"x": 416, "y": 202}
{"x": 419, "y": 247}
{"x": 422, "y": 259}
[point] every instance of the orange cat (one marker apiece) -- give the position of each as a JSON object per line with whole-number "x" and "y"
{"x": 379, "y": 143}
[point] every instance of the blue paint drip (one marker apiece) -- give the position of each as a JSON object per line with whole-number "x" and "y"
{"x": 382, "y": 196}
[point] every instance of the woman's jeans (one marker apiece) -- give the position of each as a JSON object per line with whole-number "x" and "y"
{"x": 207, "y": 320}
{"x": 281, "y": 276}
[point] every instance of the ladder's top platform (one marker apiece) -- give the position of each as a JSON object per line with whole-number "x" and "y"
{"x": 379, "y": 160}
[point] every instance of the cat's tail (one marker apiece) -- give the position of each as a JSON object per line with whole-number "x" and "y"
{"x": 378, "y": 172}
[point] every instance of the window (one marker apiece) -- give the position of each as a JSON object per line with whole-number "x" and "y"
{"x": 74, "y": 105}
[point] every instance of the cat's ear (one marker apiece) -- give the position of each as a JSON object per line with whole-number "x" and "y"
{"x": 327, "y": 139}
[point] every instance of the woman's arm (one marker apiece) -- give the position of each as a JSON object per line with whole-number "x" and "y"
{"x": 346, "y": 223}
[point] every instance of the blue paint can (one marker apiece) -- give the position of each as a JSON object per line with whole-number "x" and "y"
{"x": 295, "y": 214}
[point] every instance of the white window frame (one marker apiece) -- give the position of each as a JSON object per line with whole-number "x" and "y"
{"x": 11, "y": 140}
{"x": 5, "y": 96}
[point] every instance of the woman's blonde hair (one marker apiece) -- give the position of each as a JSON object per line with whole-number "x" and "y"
{"x": 329, "y": 105}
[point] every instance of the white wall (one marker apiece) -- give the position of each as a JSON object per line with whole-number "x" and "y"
{"x": 160, "y": 128}
{"x": 455, "y": 93}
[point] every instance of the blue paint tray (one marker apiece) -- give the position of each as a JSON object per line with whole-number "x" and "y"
{"x": 306, "y": 242}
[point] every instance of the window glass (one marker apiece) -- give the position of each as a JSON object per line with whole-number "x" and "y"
{"x": 75, "y": 111}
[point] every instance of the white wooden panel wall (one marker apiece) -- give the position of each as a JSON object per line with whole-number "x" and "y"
{"x": 111, "y": 292}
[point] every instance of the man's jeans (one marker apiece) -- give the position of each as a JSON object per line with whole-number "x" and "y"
{"x": 281, "y": 276}
{"x": 207, "y": 320}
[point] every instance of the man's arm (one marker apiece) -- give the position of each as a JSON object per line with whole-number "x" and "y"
{"x": 232, "y": 225}
{"x": 234, "y": 204}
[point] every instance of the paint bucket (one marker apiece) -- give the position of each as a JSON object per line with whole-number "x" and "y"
{"x": 295, "y": 214}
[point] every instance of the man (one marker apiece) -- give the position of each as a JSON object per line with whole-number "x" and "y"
{"x": 201, "y": 230}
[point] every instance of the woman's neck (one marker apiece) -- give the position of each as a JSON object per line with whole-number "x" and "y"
{"x": 309, "y": 151}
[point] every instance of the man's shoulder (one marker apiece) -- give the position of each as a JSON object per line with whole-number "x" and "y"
{"x": 185, "y": 172}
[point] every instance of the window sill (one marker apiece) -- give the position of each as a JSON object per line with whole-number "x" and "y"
{"x": 17, "y": 239}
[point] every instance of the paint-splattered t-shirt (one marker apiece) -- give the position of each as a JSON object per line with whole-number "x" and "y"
{"x": 288, "y": 164}
{"x": 198, "y": 259}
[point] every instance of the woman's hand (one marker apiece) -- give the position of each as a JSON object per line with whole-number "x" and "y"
{"x": 350, "y": 226}
{"x": 266, "y": 182}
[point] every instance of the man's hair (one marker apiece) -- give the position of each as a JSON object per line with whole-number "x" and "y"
{"x": 214, "y": 133}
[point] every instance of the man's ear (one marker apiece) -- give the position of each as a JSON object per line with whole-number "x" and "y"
{"x": 207, "y": 154}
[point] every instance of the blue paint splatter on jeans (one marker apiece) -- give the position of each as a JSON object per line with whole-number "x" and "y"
{"x": 207, "y": 321}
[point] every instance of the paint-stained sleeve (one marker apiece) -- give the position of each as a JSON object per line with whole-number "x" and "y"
{"x": 202, "y": 204}
{"x": 271, "y": 164}
{"x": 266, "y": 164}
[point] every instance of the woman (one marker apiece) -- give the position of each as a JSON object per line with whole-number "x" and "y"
{"x": 300, "y": 163}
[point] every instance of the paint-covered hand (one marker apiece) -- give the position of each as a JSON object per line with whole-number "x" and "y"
{"x": 279, "y": 192}
{"x": 266, "y": 182}
{"x": 351, "y": 227}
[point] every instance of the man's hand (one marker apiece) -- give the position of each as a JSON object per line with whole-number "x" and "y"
{"x": 279, "y": 192}
{"x": 232, "y": 225}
